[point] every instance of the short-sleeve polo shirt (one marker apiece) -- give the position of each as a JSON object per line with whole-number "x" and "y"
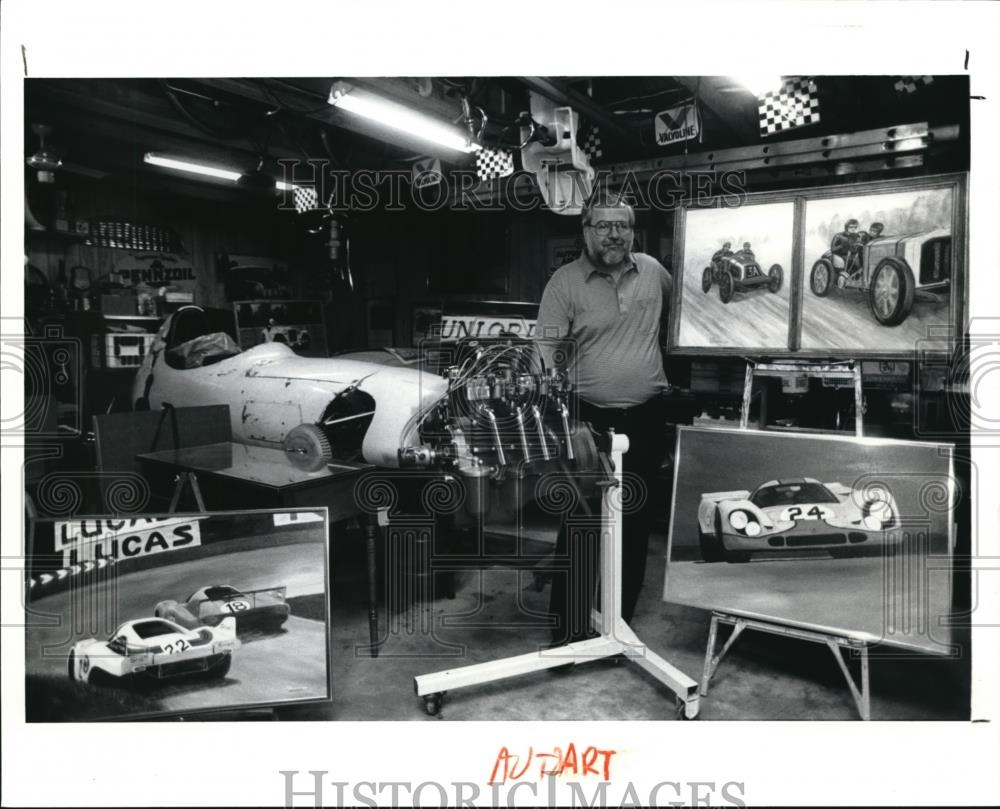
{"x": 606, "y": 332}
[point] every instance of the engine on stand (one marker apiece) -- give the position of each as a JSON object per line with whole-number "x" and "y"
{"x": 504, "y": 416}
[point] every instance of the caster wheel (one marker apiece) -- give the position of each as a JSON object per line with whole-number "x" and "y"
{"x": 432, "y": 703}
{"x": 680, "y": 713}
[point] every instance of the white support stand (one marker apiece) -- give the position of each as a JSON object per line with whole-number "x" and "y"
{"x": 835, "y": 643}
{"x": 616, "y": 637}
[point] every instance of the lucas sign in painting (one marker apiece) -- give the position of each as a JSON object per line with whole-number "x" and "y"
{"x": 842, "y": 535}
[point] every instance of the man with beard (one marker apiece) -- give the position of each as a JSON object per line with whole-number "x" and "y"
{"x": 600, "y": 318}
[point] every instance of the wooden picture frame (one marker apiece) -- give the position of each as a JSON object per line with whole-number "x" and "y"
{"x": 925, "y": 219}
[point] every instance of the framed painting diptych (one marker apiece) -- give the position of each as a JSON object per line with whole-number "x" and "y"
{"x": 874, "y": 269}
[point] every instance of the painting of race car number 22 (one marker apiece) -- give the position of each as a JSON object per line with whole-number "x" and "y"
{"x": 219, "y": 615}
{"x": 829, "y": 533}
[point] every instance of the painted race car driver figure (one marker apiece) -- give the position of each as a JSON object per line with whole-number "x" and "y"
{"x": 874, "y": 232}
{"x": 600, "y": 318}
{"x": 847, "y": 244}
{"x": 745, "y": 255}
{"x": 725, "y": 252}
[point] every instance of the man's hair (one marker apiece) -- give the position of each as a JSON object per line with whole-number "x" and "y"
{"x": 602, "y": 198}
{"x": 850, "y": 223}
{"x": 877, "y": 226}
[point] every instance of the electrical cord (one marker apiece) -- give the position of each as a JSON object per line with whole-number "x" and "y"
{"x": 676, "y": 90}
{"x": 210, "y": 129}
{"x": 283, "y": 104}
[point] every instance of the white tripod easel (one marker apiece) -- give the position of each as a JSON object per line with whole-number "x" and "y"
{"x": 616, "y": 637}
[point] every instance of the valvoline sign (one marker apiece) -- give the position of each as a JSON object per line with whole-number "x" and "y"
{"x": 682, "y": 122}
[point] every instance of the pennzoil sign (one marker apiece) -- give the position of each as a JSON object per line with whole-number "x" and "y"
{"x": 156, "y": 269}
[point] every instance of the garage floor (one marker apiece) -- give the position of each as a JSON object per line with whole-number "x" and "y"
{"x": 763, "y": 677}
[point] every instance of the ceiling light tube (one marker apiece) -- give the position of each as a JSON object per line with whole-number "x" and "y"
{"x": 218, "y": 172}
{"x": 398, "y": 117}
{"x": 194, "y": 168}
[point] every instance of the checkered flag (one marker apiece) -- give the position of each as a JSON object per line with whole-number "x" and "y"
{"x": 910, "y": 84}
{"x": 305, "y": 198}
{"x": 795, "y": 104}
{"x": 591, "y": 143}
{"x": 493, "y": 163}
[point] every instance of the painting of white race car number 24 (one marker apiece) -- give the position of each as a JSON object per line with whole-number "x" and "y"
{"x": 835, "y": 534}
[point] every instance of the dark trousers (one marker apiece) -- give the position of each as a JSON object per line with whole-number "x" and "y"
{"x": 578, "y": 545}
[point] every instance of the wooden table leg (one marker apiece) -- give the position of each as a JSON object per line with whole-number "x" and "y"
{"x": 371, "y": 536}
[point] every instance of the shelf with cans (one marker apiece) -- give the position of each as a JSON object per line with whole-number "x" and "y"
{"x": 127, "y": 235}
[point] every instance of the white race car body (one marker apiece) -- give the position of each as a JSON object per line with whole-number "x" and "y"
{"x": 156, "y": 648}
{"x": 796, "y": 513}
{"x": 270, "y": 390}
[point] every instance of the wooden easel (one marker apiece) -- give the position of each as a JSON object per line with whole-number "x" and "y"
{"x": 837, "y": 370}
{"x": 849, "y": 371}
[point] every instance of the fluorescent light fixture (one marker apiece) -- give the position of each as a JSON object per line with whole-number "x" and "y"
{"x": 201, "y": 168}
{"x": 194, "y": 168}
{"x": 760, "y": 84}
{"x": 398, "y": 117}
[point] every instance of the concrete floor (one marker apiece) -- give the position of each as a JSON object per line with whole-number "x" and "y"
{"x": 763, "y": 677}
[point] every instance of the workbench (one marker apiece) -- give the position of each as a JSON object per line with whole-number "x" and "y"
{"x": 238, "y": 475}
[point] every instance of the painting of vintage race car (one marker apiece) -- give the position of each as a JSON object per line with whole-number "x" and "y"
{"x": 214, "y": 603}
{"x": 797, "y": 514}
{"x": 892, "y": 271}
{"x": 154, "y": 650}
{"x": 738, "y": 272}
{"x": 315, "y": 408}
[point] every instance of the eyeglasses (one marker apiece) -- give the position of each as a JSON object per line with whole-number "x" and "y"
{"x": 604, "y": 228}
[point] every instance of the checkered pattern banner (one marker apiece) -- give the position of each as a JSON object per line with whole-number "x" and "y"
{"x": 590, "y": 142}
{"x": 910, "y": 84}
{"x": 305, "y": 198}
{"x": 493, "y": 163}
{"x": 795, "y": 104}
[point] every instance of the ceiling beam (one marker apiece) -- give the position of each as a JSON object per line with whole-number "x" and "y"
{"x": 562, "y": 94}
{"x": 735, "y": 109}
{"x": 116, "y": 145}
{"x": 113, "y": 100}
